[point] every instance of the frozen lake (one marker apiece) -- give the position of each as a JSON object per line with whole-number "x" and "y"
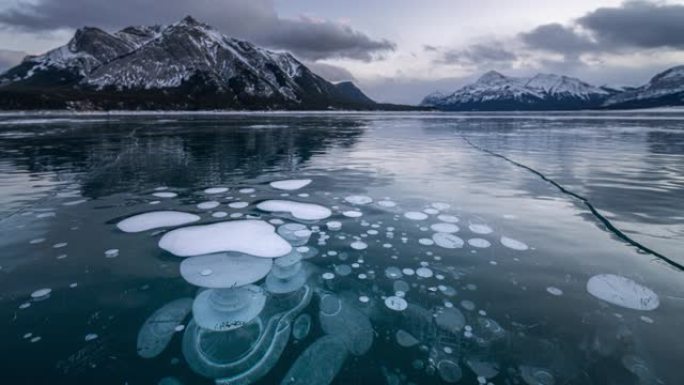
{"x": 346, "y": 248}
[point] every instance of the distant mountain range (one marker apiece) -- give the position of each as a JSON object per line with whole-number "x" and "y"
{"x": 186, "y": 65}
{"x": 496, "y": 92}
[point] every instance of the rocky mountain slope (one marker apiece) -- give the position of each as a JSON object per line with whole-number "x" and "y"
{"x": 664, "y": 89}
{"x": 186, "y": 65}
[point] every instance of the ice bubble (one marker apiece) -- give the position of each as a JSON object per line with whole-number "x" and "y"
{"x": 334, "y": 225}
{"x": 479, "y": 228}
{"x": 90, "y": 337}
{"x": 165, "y": 194}
{"x": 111, "y": 253}
{"x": 468, "y": 305}
{"x": 224, "y": 270}
{"x": 246, "y": 190}
{"x": 37, "y": 241}
{"x": 450, "y": 320}
{"x": 208, "y": 205}
{"x": 426, "y": 241}
{"x": 295, "y": 233}
{"x": 343, "y": 270}
{"x": 387, "y": 203}
{"x": 424, "y": 272}
{"x": 253, "y": 237}
{"x": 622, "y": 291}
{"x": 449, "y": 371}
{"x": 415, "y": 215}
{"x": 396, "y": 303}
{"x": 441, "y": 205}
{"x": 447, "y": 240}
{"x": 340, "y": 318}
{"x": 405, "y": 339}
{"x": 444, "y": 228}
{"x": 352, "y": 214}
{"x": 408, "y": 271}
{"x": 299, "y": 210}
{"x": 41, "y": 293}
{"x": 301, "y": 326}
{"x": 431, "y": 211}
{"x": 401, "y": 286}
{"x": 219, "y": 214}
{"x": 513, "y": 244}
{"x": 59, "y": 245}
{"x": 364, "y": 299}
{"x": 359, "y": 199}
{"x": 358, "y": 245}
{"x": 291, "y": 184}
{"x": 228, "y": 309}
{"x": 536, "y": 376}
{"x": 393, "y": 272}
{"x": 327, "y": 355}
{"x": 307, "y": 251}
{"x": 158, "y": 329}
{"x": 328, "y": 276}
{"x": 216, "y": 190}
{"x": 238, "y": 205}
{"x": 287, "y": 275}
{"x": 448, "y": 218}
{"x": 483, "y": 369}
{"x": 479, "y": 243}
{"x": 155, "y": 220}
{"x": 554, "y": 290}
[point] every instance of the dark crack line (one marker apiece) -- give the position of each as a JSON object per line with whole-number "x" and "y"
{"x": 605, "y": 221}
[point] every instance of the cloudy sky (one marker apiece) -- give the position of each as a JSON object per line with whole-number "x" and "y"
{"x": 397, "y": 50}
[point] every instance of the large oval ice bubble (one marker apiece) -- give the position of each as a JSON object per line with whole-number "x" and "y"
{"x": 340, "y": 318}
{"x": 299, "y": 210}
{"x": 224, "y": 270}
{"x": 253, "y": 237}
{"x": 228, "y": 309}
{"x": 158, "y": 330}
{"x": 319, "y": 363}
{"x": 622, "y": 291}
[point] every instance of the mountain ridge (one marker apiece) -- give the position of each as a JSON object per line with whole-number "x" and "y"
{"x": 185, "y": 65}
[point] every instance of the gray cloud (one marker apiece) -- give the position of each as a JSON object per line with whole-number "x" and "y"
{"x": 489, "y": 55}
{"x": 9, "y": 58}
{"x": 637, "y": 24}
{"x": 255, "y": 20}
{"x": 330, "y": 72}
{"x": 558, "y": 38}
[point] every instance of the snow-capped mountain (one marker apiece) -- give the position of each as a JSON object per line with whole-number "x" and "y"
{"x": 186, "y": 65}
{"x": 494, "y": 91}
{"x": 664, "y": 89}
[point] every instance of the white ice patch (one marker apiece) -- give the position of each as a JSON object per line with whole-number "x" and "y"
{"x": 358, "y": 245}
{"x": 445, "y": 228}
{"x": 416, "y": 216}
{"x": 513, "y": 244}
{"x": 216, "y": 190}
{"x": 208, "y": 205}
{"x": 40, "y": 293}
{"x": 622, "y": 291}
{"x": 447, "y": 240}
{"x": 387, "y": 203}
{"x": 238, "y": 205}
{"x": 352, "y": 214}
{"x": 448, "y": 218}
{"x": 441, "y": 206}
{"x": 479, "y": 243}
{"x": 299, "y": 210}
{"x": 155, "y": 220}
{"x": 253, "y": 237}
{"x": 359, "y": 199}
{"x": 165, "y": 194}
{"x": 290, "y": 185}
{"x": 396, "y": 303}
{"x": 480, "y": 229}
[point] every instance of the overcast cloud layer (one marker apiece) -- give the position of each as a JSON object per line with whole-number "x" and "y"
{"x": 398, "y": 51}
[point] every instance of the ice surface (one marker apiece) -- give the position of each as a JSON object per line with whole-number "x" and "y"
{"x": 513, "y": 244}
{"x": 292, "y": 184}
{"x": 299, "y": 210}
{"x": 359, "y": 199}
{"x": 158, "y": 330}
{"x": 253, "y": 237}
{"x": 622, "y": 291}
{"x": 224, "y": 270}
{"x": 447, "y": 240}
{"x": 228, "y": 309}
{"x": 155, "y": 220}
{"x": 415, "y": 215}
